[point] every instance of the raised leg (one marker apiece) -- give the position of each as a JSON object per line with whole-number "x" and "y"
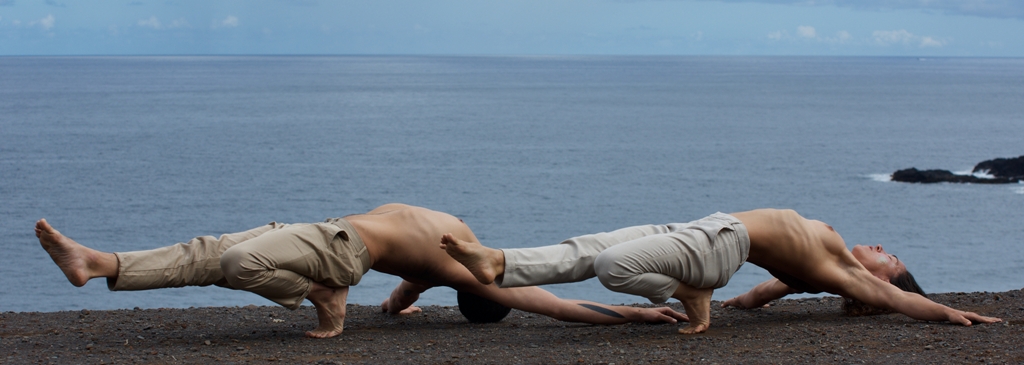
{"x": 79, "y": 263}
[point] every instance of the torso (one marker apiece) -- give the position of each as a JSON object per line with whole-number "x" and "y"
{"x": 404, "y": 240}
{"x": 781, "y": 241}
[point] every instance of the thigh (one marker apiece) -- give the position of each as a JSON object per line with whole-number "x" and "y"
{"x": 688, "y": 256}
{"x": 305, "y": 249}
{"x": 671, "y": 253}
{"x": 228, "y": 240}
{"x": 662, "y": 253}
{"x": 604, "y": 240}
{"x": 570, "y": 261}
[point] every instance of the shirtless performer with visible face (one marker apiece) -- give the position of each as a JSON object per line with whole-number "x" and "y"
{"x": 288, "y": 263}
{"x": 688, "y": 261}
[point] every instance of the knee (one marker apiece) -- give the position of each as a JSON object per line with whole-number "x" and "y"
{"x": 612, "y": 274}
{"x": 240, "y": 267}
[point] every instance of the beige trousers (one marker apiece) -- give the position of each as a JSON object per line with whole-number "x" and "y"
{"x": 649, "y": 260}
{"x": 276, "y": 261}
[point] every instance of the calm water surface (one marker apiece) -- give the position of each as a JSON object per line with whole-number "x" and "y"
{"x": 129, "y": 153}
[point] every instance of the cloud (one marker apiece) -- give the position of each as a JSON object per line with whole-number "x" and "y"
{"x": 802, "y": 32}
{"x": 230, "y": 21}
{"x": 56, "y": 4}
{"x": 46, "y": 23}
{"x": 152, "y": 22}
{"x": 179, "y": 23}
{"x": 982, "y": 8}
{"x": 931, "y": 42}
{"x": 155, "y": 23}
{"x": 843, "y": 36}
{"x": 806, "y": 31}
{"x": 887, "y": 37}
{"x": 902, "y": 36}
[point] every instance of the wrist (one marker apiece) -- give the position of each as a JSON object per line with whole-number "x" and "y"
{"x": 632, "y": 315}
{"x": 744, "y": 301}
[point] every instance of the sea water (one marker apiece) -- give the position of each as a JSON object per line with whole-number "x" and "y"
{"x": 130, "y": 153}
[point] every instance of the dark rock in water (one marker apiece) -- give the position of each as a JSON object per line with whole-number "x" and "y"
{"x": 1003, "y": 171}
{"x": 1003, "y": 167}
{"x": 913, "y": 175}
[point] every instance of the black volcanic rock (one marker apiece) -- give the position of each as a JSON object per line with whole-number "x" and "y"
{"x": 913, "y": 175}
{"x": 1003, "y": 170}
{"x": 1002, "y": 167}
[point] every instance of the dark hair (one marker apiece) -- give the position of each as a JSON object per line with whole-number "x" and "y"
{"x": 905, "y": 281}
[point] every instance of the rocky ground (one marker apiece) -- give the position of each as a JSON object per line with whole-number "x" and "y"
{"x": 790, "y": 331}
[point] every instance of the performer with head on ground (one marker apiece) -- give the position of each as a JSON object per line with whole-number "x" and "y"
{"x": 688, "y": 261}
{"x": 288, "y": 263}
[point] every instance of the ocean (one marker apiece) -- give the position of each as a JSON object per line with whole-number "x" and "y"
{"x": 130, "y": 153}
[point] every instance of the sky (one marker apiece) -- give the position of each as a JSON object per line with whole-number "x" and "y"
{"x": 916, "y": 28}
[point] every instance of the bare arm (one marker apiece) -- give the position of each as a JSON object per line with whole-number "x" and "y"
{"x": 402, "y": 298}
{"x": 540, "y": 301}
{"x": 878, "y": 293}
{"x": 760, "y": 295}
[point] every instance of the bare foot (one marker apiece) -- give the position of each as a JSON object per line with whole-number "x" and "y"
{"x": 485, "y": 263}
{"x": 330, "y": 310}
{"x": 697, "y": 303}
{"x": 79, "y": 263}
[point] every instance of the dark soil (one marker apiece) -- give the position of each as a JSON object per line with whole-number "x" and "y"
{"x": 790, "y": 331}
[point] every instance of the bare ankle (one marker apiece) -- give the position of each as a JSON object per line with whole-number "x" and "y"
{"x": 330, "y": 310}
{"x": 697, "y": 303}
{"x": 104, "y": 265}
{"x": 497, "y": 258}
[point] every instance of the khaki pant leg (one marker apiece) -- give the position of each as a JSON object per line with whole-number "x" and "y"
{"x": 567, "y": 262}
{"x": 281, "y": 265}
{"x": 653, "y": 266}
{"x": 704, "y": 254}
{"x": 196, "y": 262}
